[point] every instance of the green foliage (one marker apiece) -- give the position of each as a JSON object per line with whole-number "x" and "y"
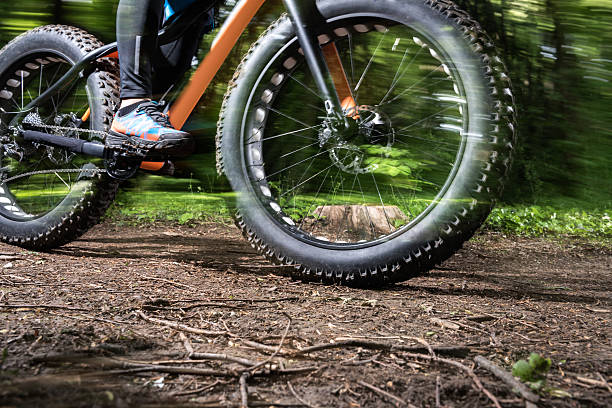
{"x": 538, "y": 221}
{"x": 559, "y": 58}
{"x": 532, "y": 372}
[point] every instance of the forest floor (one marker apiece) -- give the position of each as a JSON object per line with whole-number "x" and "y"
{"x": 176, "y": 316}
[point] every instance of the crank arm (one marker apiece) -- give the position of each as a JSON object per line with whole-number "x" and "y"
{"x": 71, "y": 144}
{"x": 121, "y": 163}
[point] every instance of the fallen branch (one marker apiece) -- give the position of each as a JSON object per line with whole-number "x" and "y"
{"x": 179, "y": 326}
{"x": 297, "y": 370}
{"x": 385, "y": 394}
{"x": 256, "y": 300}
{"x": 457, "y": 351}
{"x": 194, "y": 306}
{"x": 506, "y": 377}
{"x": 260, "y": 346}
{"x": 27, "y": 306}
{"x": 4, "y": 257}
{"x": 222, "y": 357}
{"x": 180, "y": 370}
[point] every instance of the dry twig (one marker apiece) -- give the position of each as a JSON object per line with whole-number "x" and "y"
{"x": 459, "y": 351}
{"x": 244, "y": 391}
{"x": 28, "y": 306}
{"x": 223, "y": 357}
{"x": 506, "y": 377}
{"x": 186, "y": 344}
{"x": 177, "y": 284}
{"x": 297, "y": 397}
{"x": 385, "y": 394}
{"x": 199, "y": 390}
{"x": 180, "y": 370}
{"x": 437, "y": 391}
{"x": 604, "y": 381}
{"x": 260, "y": 346}
{"x": 179, "y": 326}
{"x": 280, "y": 345}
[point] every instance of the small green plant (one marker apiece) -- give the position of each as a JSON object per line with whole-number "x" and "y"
{"x": 538, "y": 221}
{"x": 533, "y": 372}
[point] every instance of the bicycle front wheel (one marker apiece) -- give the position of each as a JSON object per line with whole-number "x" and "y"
{"x": 418, "y": 172}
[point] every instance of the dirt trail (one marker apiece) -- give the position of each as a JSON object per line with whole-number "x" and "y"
{"x": 72, "y": 324}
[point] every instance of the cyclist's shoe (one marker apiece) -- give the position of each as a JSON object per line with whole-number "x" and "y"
{"x": 145, "y": 126}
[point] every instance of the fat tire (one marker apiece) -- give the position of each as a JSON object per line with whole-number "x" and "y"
{"x": 443, "y": 231}
{"x": 74, "y": 215}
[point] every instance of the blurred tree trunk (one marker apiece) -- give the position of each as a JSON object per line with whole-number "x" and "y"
{"x": 56, "y": 12}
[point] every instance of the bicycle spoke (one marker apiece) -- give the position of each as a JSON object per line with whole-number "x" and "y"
{"x": 298, "y": 163}
{"x": 310, "y": 178}
{"x": 298, "y": 150}
{"x": 293, "y": 132}
{"x": 305, "y": 87}
{"x": 381, "y": 201}
{"x": 40, "y": 79}
{"x": 412, "y": 86}
{"x": 396, "y": 81}
{"x": 366, "y": 208}
{"x": 318, "y": 190}
{"x": 63, "y": 181}
{"x": 369, "y": 62}
{"x": 291, "y": 118}
{"x": 350, "y": 41}
{"x": 424, "y": 119}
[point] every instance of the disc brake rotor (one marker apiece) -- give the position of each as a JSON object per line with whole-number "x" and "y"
{"x": 372, "y": 137}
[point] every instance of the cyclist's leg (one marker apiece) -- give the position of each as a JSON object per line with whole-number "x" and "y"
{"x": 138, "y": 22}
{"x": 174, "y": 59}
{"x": 139, "y": 120}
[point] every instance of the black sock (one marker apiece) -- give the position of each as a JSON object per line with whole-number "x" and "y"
{"x": 130, "y": 108}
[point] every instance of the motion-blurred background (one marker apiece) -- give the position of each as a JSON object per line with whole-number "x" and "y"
{"x": 559, "y": 55}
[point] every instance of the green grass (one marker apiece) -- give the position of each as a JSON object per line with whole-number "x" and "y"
{"x": 183, "y": 208}
{"x": 159, "y": 199}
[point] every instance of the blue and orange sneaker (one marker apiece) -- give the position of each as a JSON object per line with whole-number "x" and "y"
{"x": 145, "y": 126}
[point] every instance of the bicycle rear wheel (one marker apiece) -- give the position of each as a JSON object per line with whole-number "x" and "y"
{"x": 49, "y": 196}
{"x": 418, "y": 172}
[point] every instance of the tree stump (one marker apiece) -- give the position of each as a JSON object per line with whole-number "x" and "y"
{"x": 354, "y": 222}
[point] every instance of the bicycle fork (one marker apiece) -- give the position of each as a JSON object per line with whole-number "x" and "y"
{"x": 324, "y": 64}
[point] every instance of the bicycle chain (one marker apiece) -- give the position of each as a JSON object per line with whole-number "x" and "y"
{"x": 51, "y": 171}
{"x": 32, "y": 119}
